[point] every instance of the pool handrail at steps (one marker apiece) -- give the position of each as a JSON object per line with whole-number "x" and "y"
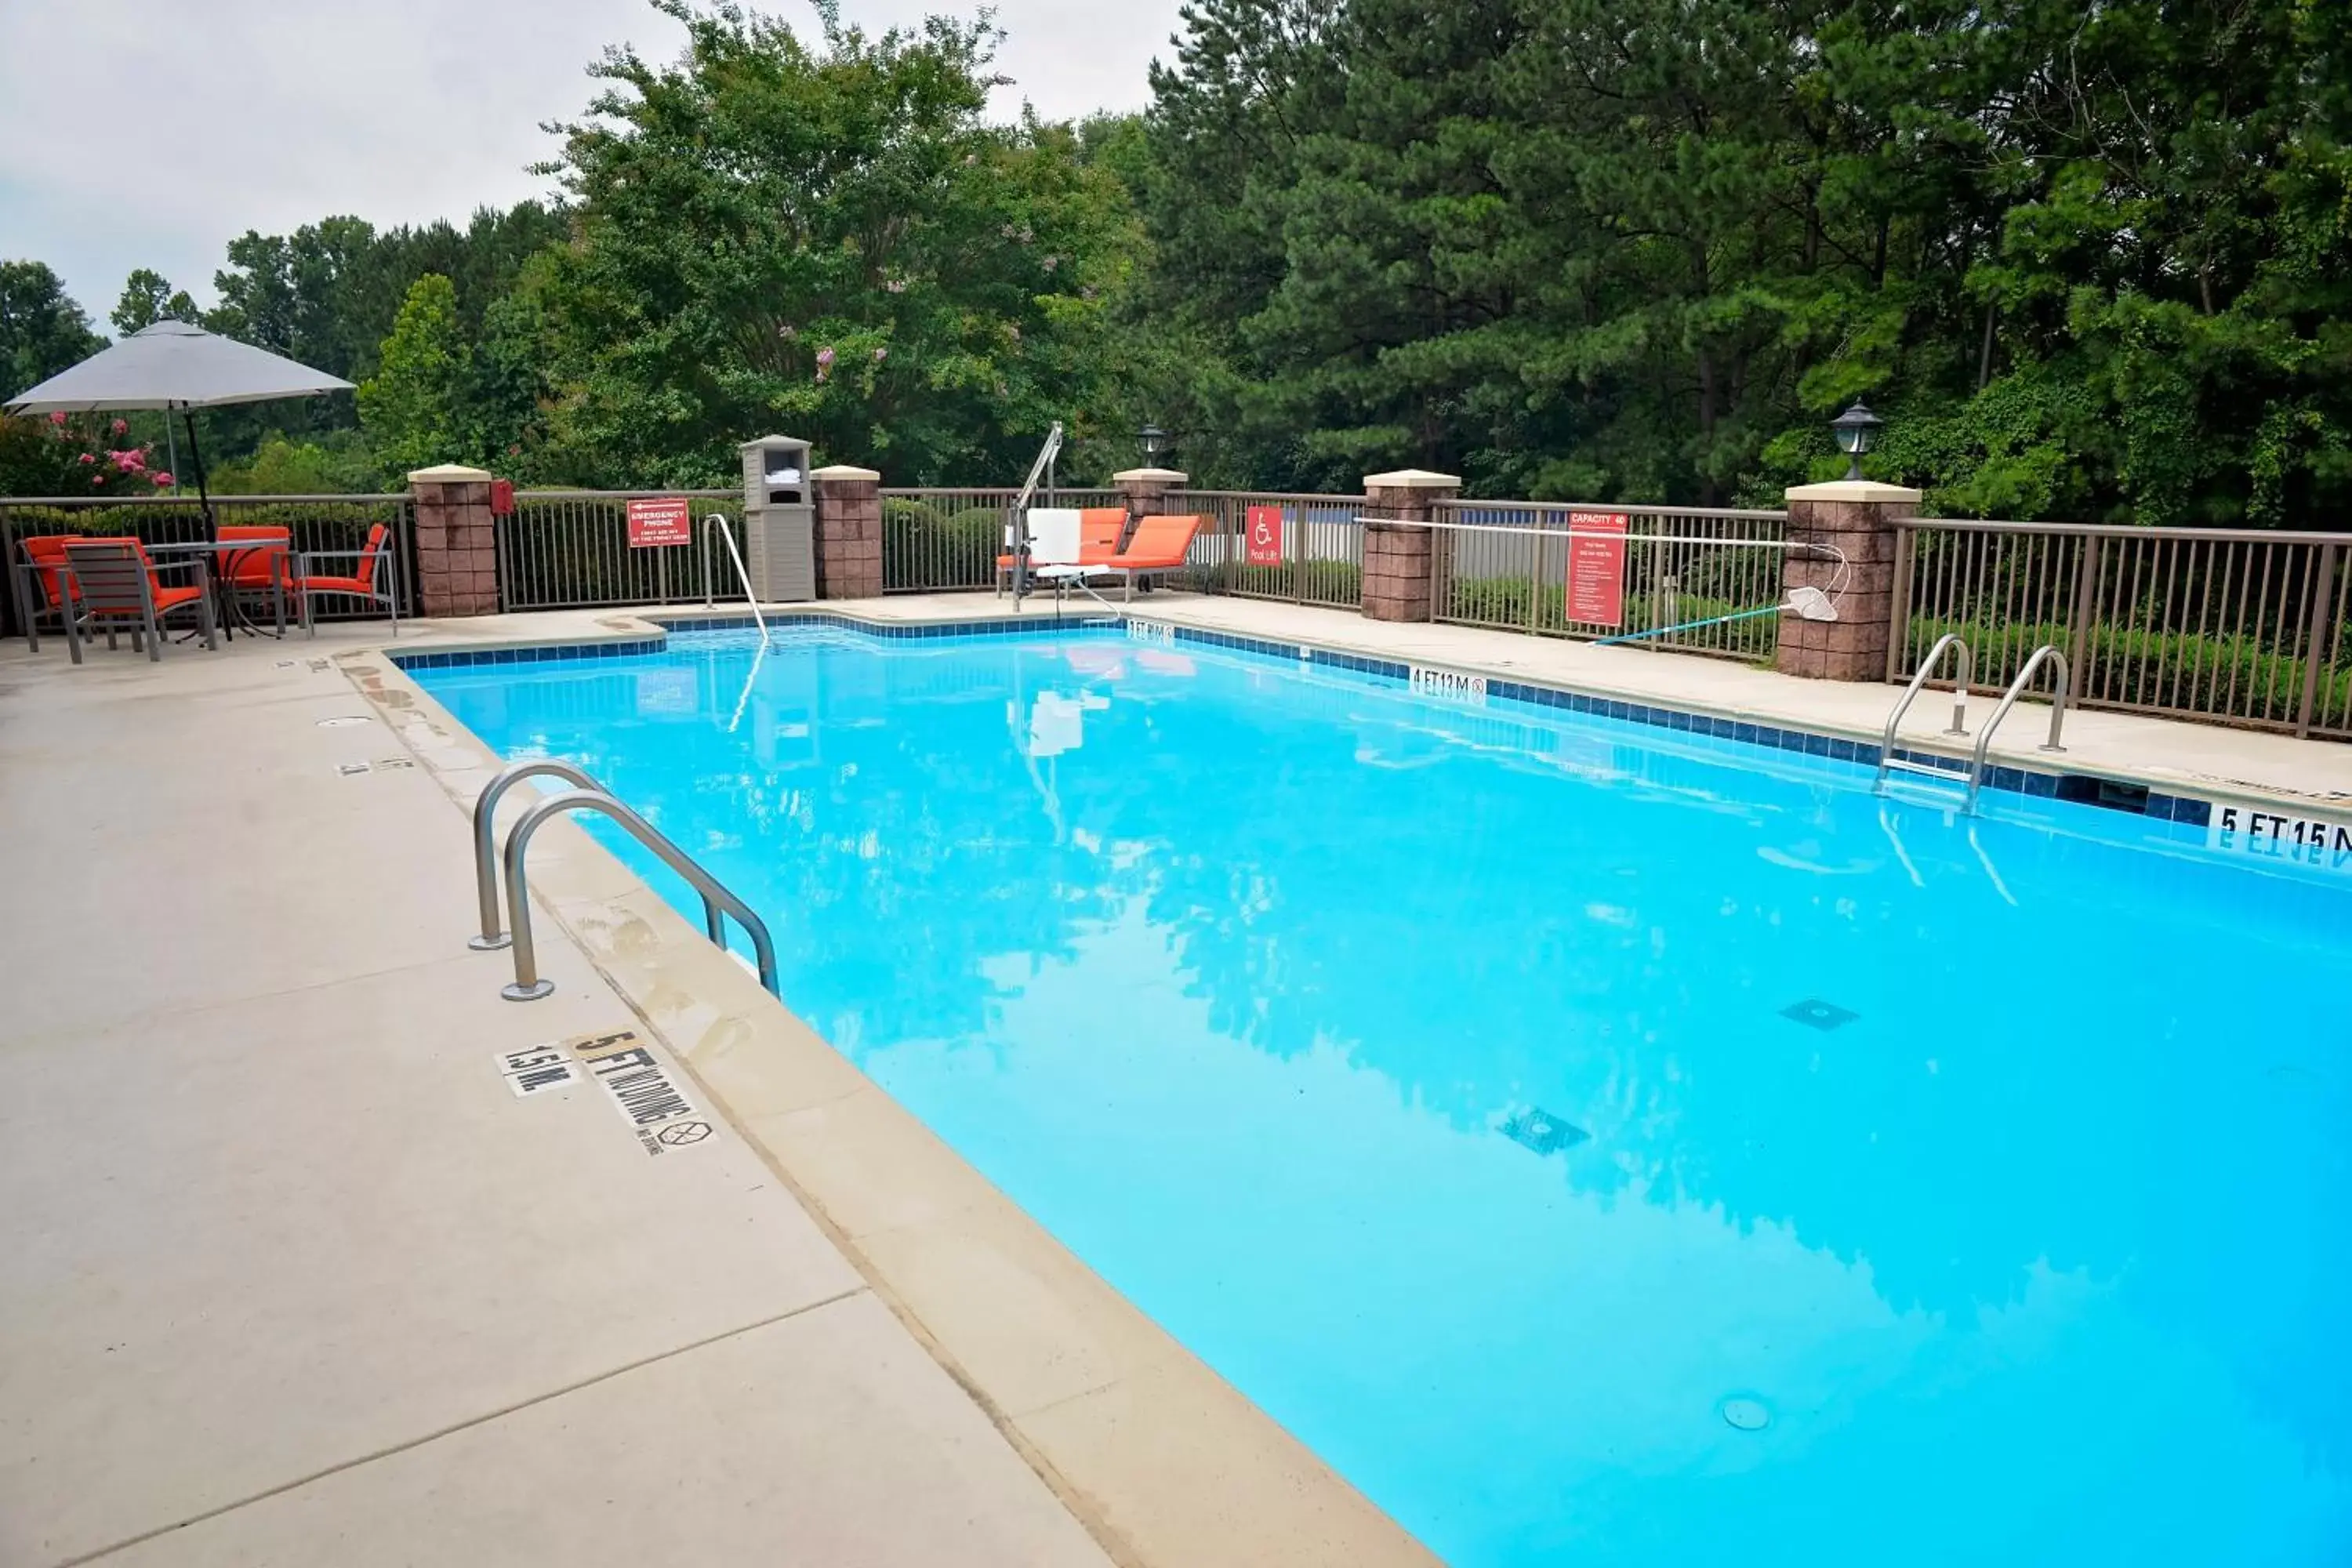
{"x": 2048, "y": 651}
{"x": 718, "y": 902}
{"x": 717, "y": 520}
{"x": 1888, "y": 761}
{"x": 490, "y": 939}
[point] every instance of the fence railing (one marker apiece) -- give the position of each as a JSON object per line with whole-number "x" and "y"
{"x": 1506, "y": 564}
{"x": 315, "y": 523}
{"x": 941, "y": 539}
{"x": 2243, "y": 626}
{"x": 570, "y": 550}
{"x": 1313, "y": 553}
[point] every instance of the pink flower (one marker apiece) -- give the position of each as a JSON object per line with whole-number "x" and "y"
{"x": 122, "y": 427}
{"x": 129, "y": 462}
{"x": 162, "y": 481}
{"x": 824, "y": 355}
{"x": 88, "y": 459}
{"x": 97, "y": 479}
{"x": 58, "y": 416}
{"x": 881, "y": 354}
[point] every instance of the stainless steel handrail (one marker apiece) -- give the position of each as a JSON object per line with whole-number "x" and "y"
{"x": 742, "y": 574}
{"x": 528, "y": 986}
{"x": 2009, "y": 700}
{"x": 1911, "y": 692}
{"x": 486, "y": 881}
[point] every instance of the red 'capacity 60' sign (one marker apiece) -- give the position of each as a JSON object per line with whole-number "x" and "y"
{"x": 661, "y": 520}
{"x": 1264, "y": 535}
{"x": 1596, "y": 568}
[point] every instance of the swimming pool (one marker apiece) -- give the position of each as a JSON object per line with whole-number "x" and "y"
{"x": 1602, "y": 1143}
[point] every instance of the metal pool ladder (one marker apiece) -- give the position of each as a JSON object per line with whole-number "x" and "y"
{"x": 717, "y": 901}
{"x": 1888, "y": 763}
{"x": 2048, "y": 651}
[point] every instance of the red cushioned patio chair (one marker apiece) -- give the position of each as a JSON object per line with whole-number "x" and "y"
{"x": 44, "y": 583}
{"x": 116, "y": 586}
{"x": 369, "y": 578}
{"x": 267, "y": 569}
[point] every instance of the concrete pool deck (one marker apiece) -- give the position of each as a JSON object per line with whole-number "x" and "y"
{"x": 292, "y": 1275}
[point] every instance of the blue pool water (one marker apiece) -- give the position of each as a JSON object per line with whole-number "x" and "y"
{"x": 1522, "y": 1106}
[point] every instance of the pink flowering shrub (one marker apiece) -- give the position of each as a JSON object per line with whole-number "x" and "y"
{"x": 66, "y": 455}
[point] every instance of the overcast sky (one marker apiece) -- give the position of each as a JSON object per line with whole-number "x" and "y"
{"x": 150, "y": 134}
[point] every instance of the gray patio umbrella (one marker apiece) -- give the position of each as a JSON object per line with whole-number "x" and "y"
{"x": 175, "y": 366}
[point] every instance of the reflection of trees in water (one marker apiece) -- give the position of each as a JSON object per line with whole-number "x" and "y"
{"x": 1478, "y": 908}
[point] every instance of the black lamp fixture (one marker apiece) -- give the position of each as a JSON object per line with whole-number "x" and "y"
{"x": 1155, "y": 444}
{"x": 1856, "y": 428}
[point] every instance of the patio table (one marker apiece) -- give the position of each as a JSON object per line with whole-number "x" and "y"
{"x": 224, "y": 565}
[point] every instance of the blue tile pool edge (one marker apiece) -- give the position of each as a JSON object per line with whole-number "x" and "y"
{"x": 2128, "y": 796}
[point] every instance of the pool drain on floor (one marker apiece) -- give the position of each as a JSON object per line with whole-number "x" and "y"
{"x": 1817, "y": 1013}
{"x": 1542, "y": 1131}
{"x": 1746, "y": 1414}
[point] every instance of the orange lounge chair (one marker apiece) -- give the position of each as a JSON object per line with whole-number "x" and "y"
{"x": 1160, "y": 545}
{"x": 1100, "y": 527}
{"x": 118, "y": 588}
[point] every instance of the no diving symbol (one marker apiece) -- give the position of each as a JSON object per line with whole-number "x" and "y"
{"x": 677, "y": 1134}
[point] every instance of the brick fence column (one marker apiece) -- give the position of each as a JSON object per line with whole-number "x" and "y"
{"x": 1147, "y": 491}
{"x": 1856, "y": 517}
{"x": 1398, "y": 559}
{"x": 848, "y": 532}
{"x": 456, "y": 550}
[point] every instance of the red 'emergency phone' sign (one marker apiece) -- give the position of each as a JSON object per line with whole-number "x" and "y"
{"x": 659, "y": 522}
{"x": 1264, "y": 536}
{"x": 1596, "y": 568}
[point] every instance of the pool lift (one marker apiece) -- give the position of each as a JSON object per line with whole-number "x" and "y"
{"x": 1017, "y": 524}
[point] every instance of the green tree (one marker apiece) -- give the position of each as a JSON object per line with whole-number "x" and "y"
{"x": 414, "y": 409}
{"x": 2093, "y": 264}
{"x": 148, "y": 297}
{"x": 829, "y": 240}
{"x": 42, "y": 330}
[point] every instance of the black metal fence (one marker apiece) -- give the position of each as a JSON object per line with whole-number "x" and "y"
{"x": 570, "y": 550}
{"x": 2235, "y": 626}
{"x": 322, "y": 523}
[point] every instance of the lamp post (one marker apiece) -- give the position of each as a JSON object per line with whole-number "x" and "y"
{"x": 1855, "y": 428}
{"x": 1155, "y": 444}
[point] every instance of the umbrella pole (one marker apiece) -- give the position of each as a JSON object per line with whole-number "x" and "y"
{"x": 197, "y": 456}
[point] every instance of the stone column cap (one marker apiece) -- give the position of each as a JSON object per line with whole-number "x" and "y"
{"x": 1150, "y": 476}
{"x": 1413, "y": 479}
{"x": 1856, "y": 491}
{"x": 844, "y": 471}
{"x": 450, "y": 474}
